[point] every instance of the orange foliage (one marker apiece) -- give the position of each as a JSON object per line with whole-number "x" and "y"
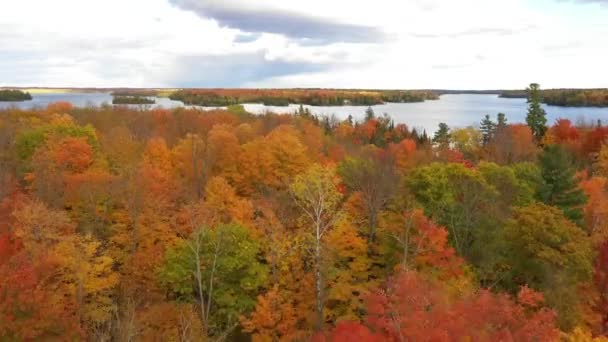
{"x": 59, "y": 107}
{"x": 404, "y": 153}
{"x": 74, "y": 154}
{"x": 596, "y": 209}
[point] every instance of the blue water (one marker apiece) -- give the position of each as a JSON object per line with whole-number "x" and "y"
{"x": 78, "y": 100}
{"x": 455, "y": 110}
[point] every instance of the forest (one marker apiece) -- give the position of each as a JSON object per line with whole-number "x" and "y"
{"x": 567, "y": 97}
{"x": 284, "y": 97}
{"x": 124, "y": 224}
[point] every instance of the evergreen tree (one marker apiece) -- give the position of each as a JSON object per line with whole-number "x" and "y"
{"x": 502, "y": 121}
{"x": 414, "y": 135}
{"x": 369, "y": 114}
{"x": 442, "y": 136}
{"x": 537, "y": 117}
{"x": 487, "y": 129}
{"x": 424, "y": 138}
{"x": 559, "y": 187}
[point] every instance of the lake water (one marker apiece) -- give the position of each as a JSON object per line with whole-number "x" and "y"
{"x": 455, "y": 110}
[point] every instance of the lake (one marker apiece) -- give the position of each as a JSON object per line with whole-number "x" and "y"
{"x": 455, "y": 110}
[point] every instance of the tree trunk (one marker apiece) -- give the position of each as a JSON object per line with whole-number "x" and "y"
{"x": 319, "y": 286}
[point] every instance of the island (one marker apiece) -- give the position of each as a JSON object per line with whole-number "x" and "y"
{"x": 132, "y": 100}
{"x": 14, "y": 95}
{"x": 313, "y": 97}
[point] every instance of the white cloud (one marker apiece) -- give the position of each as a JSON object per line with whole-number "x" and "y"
{"x": 319, "y": 43}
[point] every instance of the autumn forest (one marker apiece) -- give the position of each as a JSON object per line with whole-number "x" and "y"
{"x": 133, "y": 224}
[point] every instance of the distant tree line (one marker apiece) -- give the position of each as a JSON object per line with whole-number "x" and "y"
{"x": 284, "y": 97}
{"x": 566, "y": 97}
{"x": 14, "y": 95}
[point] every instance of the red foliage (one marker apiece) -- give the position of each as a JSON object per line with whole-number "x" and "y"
{"x": 367, "y": 130}
{"x": 412, "y": 308}
{"x": 455, "y": 156}
{"x": 594, "y": 139}
{"x": 529, "y": 297}
{"x": 433, "y": 248}
{"x": 563, "y": 131}
{"x": 348, "y": 331}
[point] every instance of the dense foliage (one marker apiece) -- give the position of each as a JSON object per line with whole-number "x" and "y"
{"x": 129, "y": 224}
{"x": 567, "y": 97}
{"x": 14, "y": 95}
{"x": 284, "y": 97}
{"x": 132, "y": 100}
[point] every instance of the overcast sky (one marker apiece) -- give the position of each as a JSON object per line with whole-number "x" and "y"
{"x": 456, "y": 44}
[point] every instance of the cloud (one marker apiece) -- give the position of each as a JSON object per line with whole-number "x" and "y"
{"x": 451, "y": 66}
{"x": 279, "y": 21}
{"x": 232, "y": 70}
{"x": 477, "y": 31}
{"x": 298, "y": 43}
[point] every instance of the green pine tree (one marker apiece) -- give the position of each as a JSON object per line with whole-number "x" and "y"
{"x": 559, "y": 187}
{"x": 442, "y": 136}
{"x": 487, "y": 128}
{"x": 537, "y": 117}
{"x": 502, "y": 121}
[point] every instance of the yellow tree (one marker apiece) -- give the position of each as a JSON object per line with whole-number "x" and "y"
{"x": 315, "y": 193}
{"x": 282, "y": 313}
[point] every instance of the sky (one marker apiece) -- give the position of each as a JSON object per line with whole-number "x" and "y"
{"x": 380, "y": 44}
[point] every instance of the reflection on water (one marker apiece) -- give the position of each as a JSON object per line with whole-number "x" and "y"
{"x": 455, "y": 110}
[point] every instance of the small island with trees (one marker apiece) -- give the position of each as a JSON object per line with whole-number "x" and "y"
{"x": 132, "y": 100}
{"x": 14, "y": 95}
{"x": 313, "y": 97}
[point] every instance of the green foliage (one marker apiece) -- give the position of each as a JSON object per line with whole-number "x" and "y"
{"x": 313, "y": 97}
{"x": 135, "y": 99}
{"x": 536, "y": 117}
{"x": 231, "y": 270}
{"x": 456, "y": 197}
{"x": 467, "y": 140}
{"x": 560, "y": 187}
{"x": 549, "y": 253}
{"x": 442, "y": 136}
{"x": 502, "y": 121}
{"x": 474, "y": 204}
{"x": 567, "y": 97}
{"x": 14, "y": 95}
{"x": 238, "y": 110}
{"x": 514, "y": 191}
{"x": 487, "y": 128}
